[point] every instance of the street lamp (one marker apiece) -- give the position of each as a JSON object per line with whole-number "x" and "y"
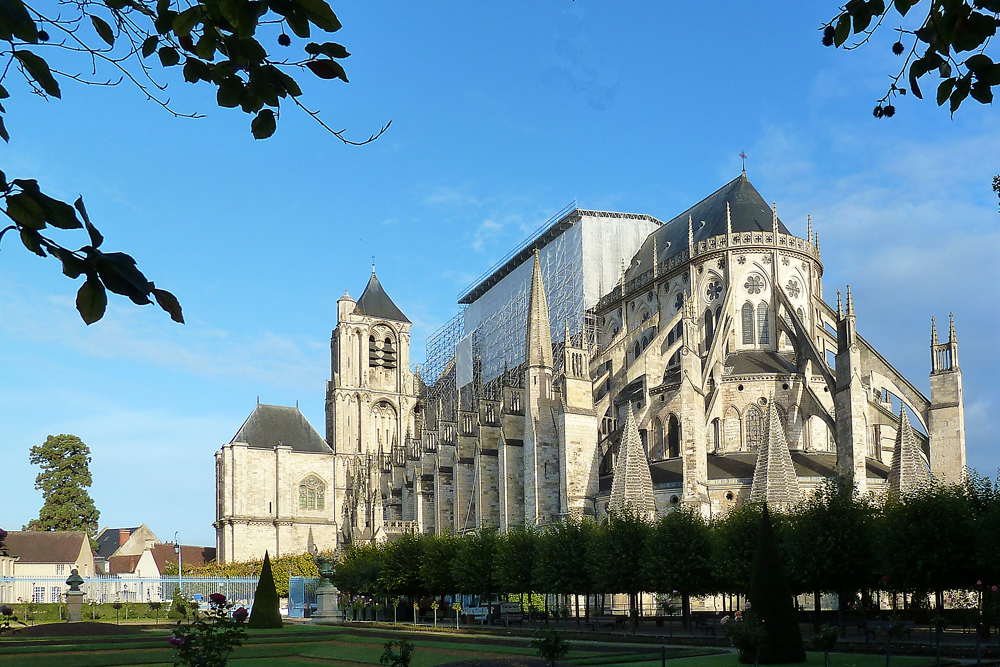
{"x": 177, "y": 550}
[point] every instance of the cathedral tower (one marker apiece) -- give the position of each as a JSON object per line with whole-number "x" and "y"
{"x": 947, "y": 412}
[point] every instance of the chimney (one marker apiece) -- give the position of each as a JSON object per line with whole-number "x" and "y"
{"x": 123, "y": 535}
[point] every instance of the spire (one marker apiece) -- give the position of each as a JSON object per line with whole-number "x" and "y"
{"x": 538, "y": 344}
{"x": 632, "y": 485}
{"x": 816, "y": 243}
{"x": 774, "y": 479}
{"x": 934, "y": 337}
{"x": 907, "y": 472}
{"x": 850, "y": 303}
{"x": 840, "y": 307}
{"x": 656, "y": 258}
{"x": 809, "y": 228}
{"x": 729, "y": 219}
{"x": 690, "y": 236}
{"x": 951, "y": 328}
{"x": 774, "y": 220}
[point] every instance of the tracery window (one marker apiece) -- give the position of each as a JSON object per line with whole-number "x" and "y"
{"x": 754, "y": 284}
{"x": 312, "y": 493}
{"x": 793, "y": 288}
{"x": 714, "y": 290}
{"x": 673, "y": 437}
{"x": 764, "y": 335}
{"x": 747, "y": 314}
{"x": 755, "y": 427}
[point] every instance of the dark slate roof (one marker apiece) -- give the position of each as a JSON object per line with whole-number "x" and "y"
{"x": 374, "y": 302}
{"x": 748, "y": 210}
{"x": 45, "y": 546}
{"x": 109, "y": 540}
{"x": 757, "y": 363}
{"x": 271, "y": 425}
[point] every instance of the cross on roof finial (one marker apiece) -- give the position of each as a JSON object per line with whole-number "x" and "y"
{"x": 743, "y": 156}
{"x": 373, "y": 265}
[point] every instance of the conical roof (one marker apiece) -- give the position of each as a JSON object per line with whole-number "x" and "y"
{"x": 632, "y": 485}
{"x": 908, "y": 471}
{"x": 374, "y": 302}
{"x": 774, "y": 478}
{"x": 538, "y": 341}
{"x": 748, "y": 211}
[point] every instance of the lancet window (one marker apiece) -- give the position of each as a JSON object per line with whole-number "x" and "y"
{"x": 312, "y": 493}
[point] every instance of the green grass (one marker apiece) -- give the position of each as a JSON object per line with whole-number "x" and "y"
{"x": 299, "y": 646}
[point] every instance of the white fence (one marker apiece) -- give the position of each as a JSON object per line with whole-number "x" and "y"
{"x": 110, "y": 588}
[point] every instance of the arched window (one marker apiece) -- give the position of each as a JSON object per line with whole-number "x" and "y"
{"x": 673, "y": 437}
{"x": 636, "y": 350}
{"x": 388, "y": 353}
{"x": 716, "y": 436}
{"x": 709, "y": 329}
{"x": 802, "y": 315}
{"x": 732, "y": 430}
{"x": 384, "y": 424}
{"x": 747, "y": 321}
{"x": 312, "y": 493}
{"x": 755, "y": 428}
{"x": 657, "y": 453}
{"x": 763, "y": 325}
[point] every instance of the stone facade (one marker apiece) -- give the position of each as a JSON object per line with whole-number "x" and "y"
{"x": 716, "y": 343}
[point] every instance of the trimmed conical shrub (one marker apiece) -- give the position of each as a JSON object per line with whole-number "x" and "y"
{"x": 772, "y": 604}
{"x": 265, "y": 612}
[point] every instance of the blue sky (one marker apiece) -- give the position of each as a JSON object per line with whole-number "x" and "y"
{"x": 502, "y": 113}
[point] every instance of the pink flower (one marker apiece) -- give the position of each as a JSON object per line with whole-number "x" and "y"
{"x": 176, "y": 641}
{"x": 217, "y": 598}
{"x": 240, "y": 615}
{"x": 994, "y": 588}
{"x": 979, "y": 582}
{"x": 885, "y": 577}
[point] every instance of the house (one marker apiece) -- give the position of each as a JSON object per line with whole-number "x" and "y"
{"x": 123, "y": 542}
{"x": 191, "y": 556}
{"x": 51, "y": 556}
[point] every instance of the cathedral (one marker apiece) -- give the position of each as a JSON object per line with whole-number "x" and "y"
{"x": 611, "y": 360}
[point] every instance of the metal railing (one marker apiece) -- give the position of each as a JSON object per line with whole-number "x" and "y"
{"x": 114, "y": 588}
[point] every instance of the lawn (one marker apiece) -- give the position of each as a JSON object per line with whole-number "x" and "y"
{"x": 311, "y": 645}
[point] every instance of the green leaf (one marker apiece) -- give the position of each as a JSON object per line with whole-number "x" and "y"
{"x": 331, "y": 49}
{"x": 32, "y": 240}
{"x": 95, "y": 236}
{"x": 862, "y": 18}
{"x": 961, "y": 91}
{"x": 299, "y": 23}
{"x": 263, "y": 125}
{"x": 169, "y": 303}
{"x": 119, "y": 274}
{"x": 168, "y": 56}
{"x": 944, "y": 91}
{"x": 184, "y": 22}
{"x": 149, "y": 45}
{"x": 230, "y": 92}
{"x": 73, "y": 266}
{"x": 917, "y": 69}
{"x": 3, "y": 93}
{"x": 25, "y": 211}
{"x": 38, "y": 70}
{"x": 320, "y": 13}
{"x": 843, "y": 29}
{"x": 327, "y": 69}
{"x": 981, "y": 92}
{"x": 16, "y": 21}
{"x": 3, "y": 131}
{"x": 287, "y": 82}
{"x": 195, "y": 70}
{"x": 104, "y": 31}
{"x": 876, "y": 7}
{"x": 978, "y": 62}
{"x": 91, "y": 300}
{"x": 903, "y": 6}
{"x": 57, "y": 213}
{"x": 205, "y": 48}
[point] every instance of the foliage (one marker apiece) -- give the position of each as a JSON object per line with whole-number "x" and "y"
{"x": 746, "y": 633}
{"x": 561, "y": 557}
{"x": 64, "y": 480}
{"x": 472, "y": 567}
{"x": 686, "y": 537}
{"x": 826, "y": 639}
{"x": 360, "y": 568}
{"x": 734, "y": 537}
{"x": 515, "y": 559}
{"x": 7, "y": 618}
{"x": 435, "y": 563}
{"x": 265, "y": 612}
{"x": 927, "y": 539}
{"x": 773, "y": 603}
{"x": 283, "y": 567}
{"x": 398, "y": 575}
{"x": 831, "y": 541}
{"x": 947, "y": 38}
{"x": 219, "y": 43}
{"x": 178, "y": 606}
{"x": 208, "y": 640}
{"x": 550, "y": 645}
{"x": 391, "y": 658}
{"x": 616, "y": 554}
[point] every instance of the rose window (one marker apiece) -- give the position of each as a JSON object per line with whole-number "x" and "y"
{"x": 793, "y": 288}
{"x": 714, "y": 290}
{"x": 754, "y": 284}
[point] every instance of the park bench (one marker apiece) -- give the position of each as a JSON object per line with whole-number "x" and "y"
{"x": 875, "y": 627}
{"x": 509, "y": 617}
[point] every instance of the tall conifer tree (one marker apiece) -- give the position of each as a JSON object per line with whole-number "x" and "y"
{"x": 771, "y": 602}
{"x": 266, "y": 612}
{"x": 63, "y": 481}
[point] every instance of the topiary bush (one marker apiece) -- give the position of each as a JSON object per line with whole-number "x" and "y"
{"x": 772, "y": 602}
{"x": 266, "y": 606}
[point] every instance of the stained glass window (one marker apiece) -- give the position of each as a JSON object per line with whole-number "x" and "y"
{"x": 764, "y": 337}
{"x": 748, "y": 323}
{"x": 755, "y": 427}
{"x": 312, "y": 494}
